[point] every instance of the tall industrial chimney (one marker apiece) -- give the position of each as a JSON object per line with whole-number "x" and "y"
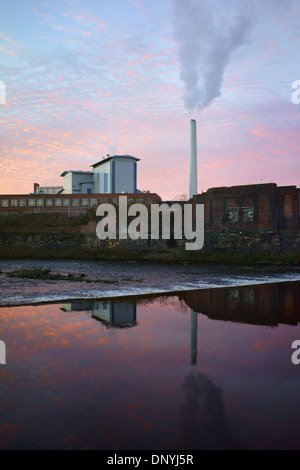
{"x": 193, "y": 189}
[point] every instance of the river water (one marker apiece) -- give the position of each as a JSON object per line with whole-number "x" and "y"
{"x": 167, "y": 358}
{"x": 128, "y": 278}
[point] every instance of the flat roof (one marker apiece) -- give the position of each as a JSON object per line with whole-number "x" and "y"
{"x": 77, "y": 171}
{"x": 111, "y": 157}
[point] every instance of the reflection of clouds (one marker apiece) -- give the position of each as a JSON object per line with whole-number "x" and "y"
{"x": 203, "y": 423}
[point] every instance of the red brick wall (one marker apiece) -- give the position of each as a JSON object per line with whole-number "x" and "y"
{"x": 275, "y": 208}
{"x": 148, "y": 198}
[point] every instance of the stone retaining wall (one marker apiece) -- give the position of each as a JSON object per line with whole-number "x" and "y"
{"x": 273, "y": 243}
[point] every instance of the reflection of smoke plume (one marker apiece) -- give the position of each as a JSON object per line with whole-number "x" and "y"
{"x": 208, "y": 32}
{"x": 203, "y": 420}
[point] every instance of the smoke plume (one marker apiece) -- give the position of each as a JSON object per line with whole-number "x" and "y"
{"x": 208, "y": 32}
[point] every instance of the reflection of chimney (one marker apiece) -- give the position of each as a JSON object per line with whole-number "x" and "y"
{"x": 194, "y": 339}
{"x": 193, "y": 189}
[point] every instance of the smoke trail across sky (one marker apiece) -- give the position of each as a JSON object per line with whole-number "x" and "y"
{"x": 208, "y": 33}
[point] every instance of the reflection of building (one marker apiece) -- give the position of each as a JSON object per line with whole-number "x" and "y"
{"x": 270, "y": 304}
{"x": 117, "y": 314}
{"x": 267, "y": 304}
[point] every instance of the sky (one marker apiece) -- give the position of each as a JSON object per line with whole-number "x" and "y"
{"x": 80, "y": 79}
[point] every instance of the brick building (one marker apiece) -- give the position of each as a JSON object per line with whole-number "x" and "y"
{"x": 251, "y": 208}
{"x": 258, "y": 207}
{"x": 69, "y": 204}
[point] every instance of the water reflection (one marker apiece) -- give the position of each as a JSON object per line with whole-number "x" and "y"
{"x": 266, "y": 305}
{"x": 203, "y": 422}
{"x": 125, "y": 374}
{"x": 115, "y": 314}
{"x": 194, "y": 334}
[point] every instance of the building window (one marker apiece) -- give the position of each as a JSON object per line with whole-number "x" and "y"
{"x": 66, "y": 202}
{"x": 233, "y": 295}
{"x": 248, "y": 214}
{"x": 22, "y": 202}
{"x": 89, "y": 190}
{"x": 58, "y": 202}
{"x": 233, "y": 214}
{"x": 85, "y": 202}
{"x": 40, "y": 202}
{"x": 49, "y": 202}
{"x": 248, "y": 295}
{"x": 31, "y": 203}
{"x": 75, "y": 202}
{"x": 14, "y": 203}
{"x": 93, "y": 202}
{"x": 5, "y": 202}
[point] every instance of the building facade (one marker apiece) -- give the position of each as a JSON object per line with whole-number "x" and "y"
{"x": 251, "y": 208}
{"x": 37, "y": 189}
{"x": 258, "y": 207}
{"x": 69, "y": 204}
{"x": 78, "y": 182}
{"x": 112, "y": 175}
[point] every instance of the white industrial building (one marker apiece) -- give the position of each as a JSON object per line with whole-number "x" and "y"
{"x": 112, "y": 175}
{"x": 116, "y": 314}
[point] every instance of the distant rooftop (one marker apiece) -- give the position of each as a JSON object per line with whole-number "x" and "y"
{"x": 110, "y": 157}
{"x": 77, "y": 171}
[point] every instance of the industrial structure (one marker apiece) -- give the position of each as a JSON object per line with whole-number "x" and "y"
{"x": 254, "y": 207}
{"x": 193, "y": 180}
{"x": 257, "y": 207}
{"x": 112, "y": 175}
{"x": 115, "y": 314}
{"x": 267, "y": 215}
{"x": 37, "y": 189}
{"x": 72, "y": 205}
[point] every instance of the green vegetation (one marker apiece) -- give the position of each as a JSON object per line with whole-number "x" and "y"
{"x": 47, "y": 275}
{"x": 52, "y": 219}
{"x": 172, "y": 256}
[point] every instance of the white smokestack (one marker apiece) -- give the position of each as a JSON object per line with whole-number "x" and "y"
{"x": 193, "y": 189}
